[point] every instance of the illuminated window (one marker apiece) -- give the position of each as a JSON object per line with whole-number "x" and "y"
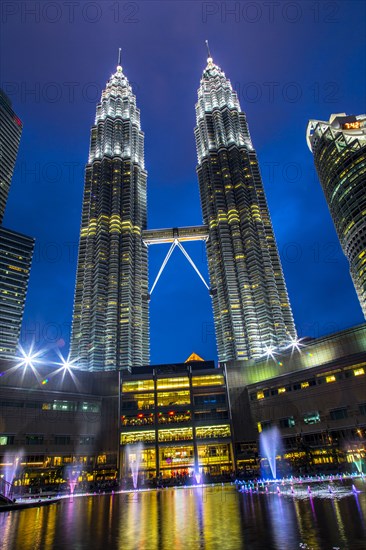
{"x": 211, "y": 380}
{"x": 138, "y": 385}
{"x": 330, "y": 378}
{"x": 260, "y": 395}
{"x": 304, "y": 385}
{"x": 170, "y": 383}
{"x": 312, "y": 418}
{"x": 135, "y": 437}
{"x": 175, "y": 457}
{"x": 137, "y": 401}
{"x": 213, "y": 432}
{"x": 177, "y": 434}
{"x": 166, "y": 399}
{"x": 281, "y": 390}
{"x": 6, "y": 439}
{"x": 359, "y": 372}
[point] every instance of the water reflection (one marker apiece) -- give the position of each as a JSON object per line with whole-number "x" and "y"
{"x": 194, "y": 518}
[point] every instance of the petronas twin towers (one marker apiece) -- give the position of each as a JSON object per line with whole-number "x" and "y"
{"x": 252, "y": 314}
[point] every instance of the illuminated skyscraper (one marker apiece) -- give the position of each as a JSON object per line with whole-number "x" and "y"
{"x": 252, "y": 313}
{"x": 10, "y": 133}
{"x": 339, "y": 148}
{"x": 110, "y": 321}
{"x": 16, "y": 250}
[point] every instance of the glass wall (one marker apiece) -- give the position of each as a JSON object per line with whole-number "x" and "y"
{"x": 215, "y": 459}
{"x": 169, "y": 383}
{"x": 135, "y": 437}
{"x": 209, "y": 432}
{"x": 176, "y": 434}
{"x": 138, "y": 385}
{"x": 138, "y": 401}
{"x": 175, "y": 459}
{"x": 167, "y": 399}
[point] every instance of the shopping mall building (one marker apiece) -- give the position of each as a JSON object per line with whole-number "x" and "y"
{"x": 179, "y": 421}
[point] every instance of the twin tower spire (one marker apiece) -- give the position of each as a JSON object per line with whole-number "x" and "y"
{"x": 250, "y": 303}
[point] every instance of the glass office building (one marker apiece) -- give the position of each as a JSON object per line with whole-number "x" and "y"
{"x": 10, "y": 132}
{"x": 16, "y": 251}
{"x": 339, "y": 149}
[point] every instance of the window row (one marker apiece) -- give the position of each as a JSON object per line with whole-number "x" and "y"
{"x": 324, "y": 379}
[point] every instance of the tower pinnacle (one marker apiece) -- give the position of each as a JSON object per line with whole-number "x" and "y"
{"x": 119, "y": 67}
{"x": 209, "y": 59}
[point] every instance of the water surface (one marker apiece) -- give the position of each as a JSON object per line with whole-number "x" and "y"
{"x": 193, "y": 518}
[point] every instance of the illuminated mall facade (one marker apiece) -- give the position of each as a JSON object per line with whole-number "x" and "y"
{"x": 180, "y": 416}
{"x": 180, "y": 420}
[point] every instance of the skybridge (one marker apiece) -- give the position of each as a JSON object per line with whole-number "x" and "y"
{"x": 175, "y": 236}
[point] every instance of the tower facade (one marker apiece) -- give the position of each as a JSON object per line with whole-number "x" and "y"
{"x": 10, "y": 132}
{"x": 16, "y": 252}
{"x": 252, "y": 313}
{"x": 339, "y": 149}
{"x": 16, "y": 249}
{"x": 110, "y": 321}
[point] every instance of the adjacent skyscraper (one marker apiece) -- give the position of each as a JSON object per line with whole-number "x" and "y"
{"x": 339, "y": 148}
{"x": 10, "y": 132}
{"x": 16, "y": 250}
{"x": 252, "y": 313}
{"x": 110, "y": 323}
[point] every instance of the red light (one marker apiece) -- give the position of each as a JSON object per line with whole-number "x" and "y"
{"x": 140, "y": 415}
{"x": 171, "y": 413}
{"x": 17, "y": 120}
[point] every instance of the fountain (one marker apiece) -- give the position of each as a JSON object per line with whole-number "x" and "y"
{"x": 72, "y": 474}
{"x": 358, "y": 464}
{"x": 197, "y": 475}
{"x": 134, "y": 459}
{"x": 270, "y": 445}
{"x": 12, "y": 466}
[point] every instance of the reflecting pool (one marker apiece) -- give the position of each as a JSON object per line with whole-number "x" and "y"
{"x": 215, "y": 517}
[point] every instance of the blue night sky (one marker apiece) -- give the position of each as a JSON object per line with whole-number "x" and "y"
{"x": 289, "y": 62}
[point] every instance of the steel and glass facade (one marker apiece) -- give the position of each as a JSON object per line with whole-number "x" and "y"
{"x": 176, "y": 422}
{"x": 110, "y": 321}
{"x": 16, "y": 251}
{"x": 339, "y": 149}
{"x": 251, "y": 307}
{"x": 10, "y": 132}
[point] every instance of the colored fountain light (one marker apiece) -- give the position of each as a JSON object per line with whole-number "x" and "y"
{"x": 270, "y": 445}
{"x": 134, "y": 457}
{"x": 12, "y": 464}
{"x": 72, "y": 474}
{"x": 198, "y": 477}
